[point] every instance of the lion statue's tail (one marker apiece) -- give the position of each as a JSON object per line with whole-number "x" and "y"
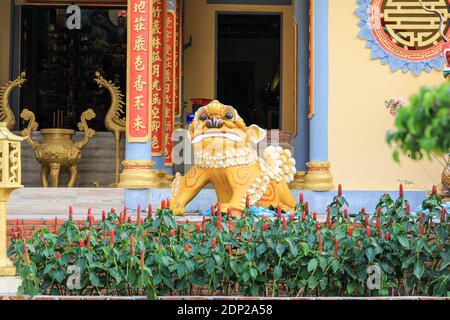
{"x": 279, "y": 164}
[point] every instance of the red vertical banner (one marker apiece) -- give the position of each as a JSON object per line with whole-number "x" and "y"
{"x": 178, "y": 59}
{"x": 139, "y": 66}
{"x": 158, "y": 56}
{"x": 169, "y": 82}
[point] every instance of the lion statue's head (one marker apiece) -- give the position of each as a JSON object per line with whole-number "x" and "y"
{"x": 219, "y": 133}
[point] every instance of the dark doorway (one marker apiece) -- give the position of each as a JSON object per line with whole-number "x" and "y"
{"x": 61, "y": 63}
{"x": 248, "y": 66}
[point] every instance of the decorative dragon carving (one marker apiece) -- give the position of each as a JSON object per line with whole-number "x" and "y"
{"x": 114, "y": 119}
{"x": 6, "y": 114}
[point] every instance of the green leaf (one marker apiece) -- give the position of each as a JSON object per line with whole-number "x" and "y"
{"x": 95, "y": 281}
{"x": 280, "y": 249}
{"x": 419, "y": 269}
{"x": 253, "y": 272}
{"x": 312, "y": 264}
{"x": 312, "y": 282}
{"x": 403, "y": 241}
{"x": 370, "y": 253}
{"x": 277, "y": 273}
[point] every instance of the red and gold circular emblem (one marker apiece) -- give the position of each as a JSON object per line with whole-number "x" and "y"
{"x": 406, "y": 30}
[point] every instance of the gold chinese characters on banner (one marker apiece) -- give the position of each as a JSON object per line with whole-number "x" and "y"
{"x": 158, "y": 80}
{"x": 170, "y": 49}
{"x": 138, "y": 70}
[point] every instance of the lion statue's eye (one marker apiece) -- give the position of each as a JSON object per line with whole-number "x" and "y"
{"x": 229, "y": 116}
{"x": 203, "y": 117}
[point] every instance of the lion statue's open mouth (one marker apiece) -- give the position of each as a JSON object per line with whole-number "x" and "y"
{"x": 225, "y": 155}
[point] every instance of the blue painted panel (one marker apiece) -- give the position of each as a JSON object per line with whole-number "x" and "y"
{"x": 319, "y": 124}
{"x": 302, "y": 139}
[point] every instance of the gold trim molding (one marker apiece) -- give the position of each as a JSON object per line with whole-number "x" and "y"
{"x": 319, "y": 177}
{"x": 138, "y": 174}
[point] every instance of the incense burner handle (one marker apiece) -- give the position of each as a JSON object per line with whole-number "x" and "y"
{"x": 89, "y": 114}
{"x": 29, "y": 116}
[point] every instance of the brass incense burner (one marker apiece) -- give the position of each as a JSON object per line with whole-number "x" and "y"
{"x": 57, "y": 149}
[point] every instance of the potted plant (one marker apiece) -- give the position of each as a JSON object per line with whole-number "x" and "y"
{"x": 422, "y": 128}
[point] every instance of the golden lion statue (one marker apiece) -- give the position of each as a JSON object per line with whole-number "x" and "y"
{"x": 225, "y": 155}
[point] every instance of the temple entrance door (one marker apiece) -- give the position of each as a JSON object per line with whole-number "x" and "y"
{"x": 248, "y": 62}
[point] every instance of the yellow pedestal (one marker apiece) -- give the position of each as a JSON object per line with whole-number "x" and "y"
{"x": 6, "y": 266}
{"x": 318, "y": 177}
{"x": 299, "y": 181}
{"x": 138, "y": 174}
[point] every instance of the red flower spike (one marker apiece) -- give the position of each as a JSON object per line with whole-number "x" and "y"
{"x": 247, "y": 201}
{"x": 149, "y": 211}
{"x": 304, "y": 216}
{"x": 131, "y": 246}
{"x": 229, "y": 213}
{"x": 279, "y": 212}
{"x": 213, "y": 243}
{"x": 57, "y": 255}
{"x": 284, "y": 224}
{"x": 219, "y": 209}
{"x": 70, "y": 213}
{"x": 301, "y": 198}
{"x": 121, "y": 217}
{"x": 264, "y": 217}
{"x": 359, "y": 244}
{"x": 319, "y": 239}
{"x": 20, "y": 232}
{"x": 249, "y": 240}
{"x": 387, "y": 236}
{"x": 111, "y": 239}
{"x": 171, "y": 233}
{"x": 340, "y": 190}
{"x": 89, "y": 241}
{"x": 368, "y": 231}
{"x": 204, "y": 224}
{"x": 330, "y": 224}
{"x": 378, "y": 223}
{"x": 163, "y": 204}
{"x": 346, "y": 213}
{"x": 91, "y": 220}
{"x": 25, "y": 253}
{"x": 363, "y": 210}
{"x": 138, "y": 219}
{"x": 379, "y": 213}
{"x": 336, "y": 247}
{"x": 113, "y": 210}
{"x": 213, "y": 210}
{"x": 89, "y": 212}
{"x": 229, "y": 251}
{"x": 266, "y": 226}
{"x": 434, "y": 190}
{"x": 103, "y": 215}
{"x": 307, "y": 207}
{"x": 328, "y": 213}
{"x": 350, "y": 231}
{"x": 401, "y": 193}
{"x": 81, "y": 243}
{"x": 219, "y": 226}
{"x": 14, "y": 235}
{"x": 315, "y": 216}
{"x": 366, "y": 221}
{"x": 443, "y": 214}
{"x": 142, "y": 258}
{"x": 408, "y": 208}
{"x": 168, "y": 203}
{"x": 130, "y": 220}
{"x": 186, "y": 248}
{"x": 292, "y": 217}
{"x": 319, "y": 226}
{"x": 197, "y": 228}
{"x": 421, "y": 218}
